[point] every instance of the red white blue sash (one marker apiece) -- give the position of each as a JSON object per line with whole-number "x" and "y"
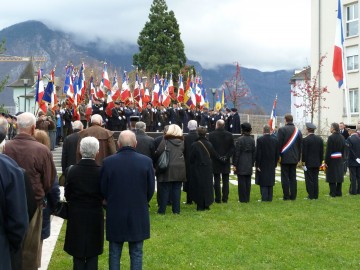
{"x": 336, "y": 155}
{"x": 290, "y": 141}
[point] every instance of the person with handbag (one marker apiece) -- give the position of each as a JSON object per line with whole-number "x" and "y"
{"x": 201, "y": 170}
{"x": 171, "y": 178}
{"x": 84, "y": 239}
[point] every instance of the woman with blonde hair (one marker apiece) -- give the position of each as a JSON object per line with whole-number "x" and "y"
{"x": 170, "y": 180}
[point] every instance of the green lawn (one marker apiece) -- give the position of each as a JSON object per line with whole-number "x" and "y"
{"x": 301, "y": 234}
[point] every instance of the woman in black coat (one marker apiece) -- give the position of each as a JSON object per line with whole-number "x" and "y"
{"x": 201, "y": 171}
{"x": 84, "y": 238}
{"x": 243, "y": 160}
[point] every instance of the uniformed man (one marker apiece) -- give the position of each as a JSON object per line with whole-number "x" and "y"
{"x": 353, "y": 144}
{"x": 312, "y": 157}
{"x": 118, "y": 118}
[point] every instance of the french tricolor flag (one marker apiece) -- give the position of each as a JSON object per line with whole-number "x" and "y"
{"x": 338, "y": 62}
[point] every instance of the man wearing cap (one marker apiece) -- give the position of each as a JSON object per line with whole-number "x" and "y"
{"x": 312, "y": 157}
{"x": 353, "y": 144}
{"x": 118, "y": 119}
{"x": 290, "y": 139}
{"x": 235, "y": 122}
{"x": 147, "y": 116}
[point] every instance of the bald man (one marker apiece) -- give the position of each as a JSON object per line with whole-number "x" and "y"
{"x": 127, "y": 184}
{"x": 105, "y": 137}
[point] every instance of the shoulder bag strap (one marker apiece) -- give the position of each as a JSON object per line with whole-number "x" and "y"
{"x": 205, "y": 148}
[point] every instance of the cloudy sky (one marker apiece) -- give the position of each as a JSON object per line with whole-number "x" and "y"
{"x": 262, "y": 34}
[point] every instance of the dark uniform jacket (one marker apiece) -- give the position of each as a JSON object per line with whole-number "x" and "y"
{"x": 85, "y": 226}
{"x": 235, "y": 124}
{"x": 312, "y": 151}
{"x": 291, "y": 155}
{"x": 223, "y": 143}
{"x": 335, "y": 169}
{"x": 267, "y": 156}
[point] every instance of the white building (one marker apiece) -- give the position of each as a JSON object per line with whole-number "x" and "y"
{"x": 297, "y": 102}
{"x": 323, "y": 26}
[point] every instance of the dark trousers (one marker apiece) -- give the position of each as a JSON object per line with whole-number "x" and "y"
{"x": 312, "y": 182}
{"x": 167, "y": 189}
{"x": 266, "y": 193}
{"x": 244, "y": 187}
{"x": 225, "y": 187}
{"x": 335, "y": 189}
{"x": 84, "y": 122}
{"x": 354, "y": 180}
{"x": 288, "y": 181}
{"x": 90, "y": 263}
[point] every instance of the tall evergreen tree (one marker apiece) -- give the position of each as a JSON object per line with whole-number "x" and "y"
{"x": 160, "y": 46}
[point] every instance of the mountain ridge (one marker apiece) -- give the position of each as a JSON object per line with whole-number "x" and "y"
{"x": 34, "y": 38}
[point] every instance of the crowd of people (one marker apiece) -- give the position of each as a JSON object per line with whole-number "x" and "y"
{"x": 120, "y": 177}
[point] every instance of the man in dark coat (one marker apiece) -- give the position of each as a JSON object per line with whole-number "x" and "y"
{"x": 243, "y": 161}
{"x": 312, "y": 157}
{"x": 343, "y": 130}
{"x": 267, "y": 156}
{"x": 145, "y": 144}
{"x": 223, "y": 143}
{"x": 84, "y": 239}
{"x": 334, "y": 160}
{"x": 353, "y": 144}
{"x": 188, "y": 141}
{"x": 148, "y": 117}
{"x": 290, "y": 139}
{"x": 235, "y": 122}
{"x": 68, "y": 155}
{"x": 13, "y": 218}
{"x": 127, "y": 193}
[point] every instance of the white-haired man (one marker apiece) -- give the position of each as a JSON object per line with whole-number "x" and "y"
{"x": 38, "y": 163}
{"x": 3, "y": 132}
{"x": 105, "y": 137}
{"x": 127, "y": 193}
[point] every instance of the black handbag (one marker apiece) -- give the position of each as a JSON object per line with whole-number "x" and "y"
{"x": 163, "y": 161}
{"x": 62, "y": 209}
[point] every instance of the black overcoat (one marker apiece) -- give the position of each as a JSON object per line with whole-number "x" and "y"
{"x": 85, "y": 226}
{"x": 201, "y": 183}
{"x": 353, "y": 144}
{"x": 312, "y": 151}
{"x": 335, "y": 166}
{"x": 293, "y": 154}
{"x": 267, "y": 155}
{"x": 244, "y": 155}
{"x": 188, "y": 141}
{"x": 223, "y": 143}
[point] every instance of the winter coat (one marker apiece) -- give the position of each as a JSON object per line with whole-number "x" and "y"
{"x": 335, "y": 163}
{"x": 267, "y": 156}
{"x": 201, "y": 180}
{"x": 85, "y": 226}
{"x": 293, "y": 153}
{"x": 244, "y": 155}
{"x": 176, "y": 169}
{"x": 127, "y": 191}
{"x": 223, "y": 143}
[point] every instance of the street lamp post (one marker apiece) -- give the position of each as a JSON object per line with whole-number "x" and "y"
{"x": 26, "y": 81}
{"x": 213, "y": 91}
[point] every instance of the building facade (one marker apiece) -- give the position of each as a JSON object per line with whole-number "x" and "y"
{"x": 323, "y": 28}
